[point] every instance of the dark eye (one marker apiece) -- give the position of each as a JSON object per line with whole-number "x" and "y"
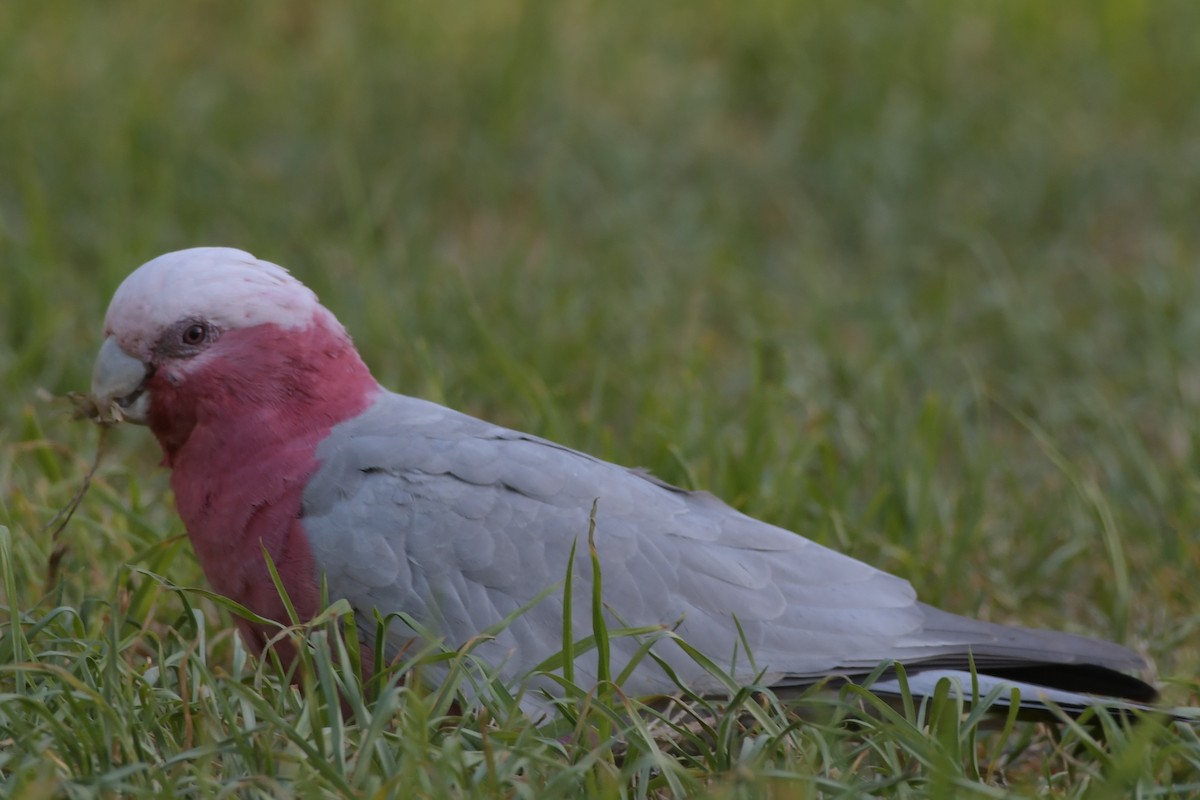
{"x": 194, "y": 335}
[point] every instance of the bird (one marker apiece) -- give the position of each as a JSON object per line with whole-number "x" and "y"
{"x": 285, "y": 452}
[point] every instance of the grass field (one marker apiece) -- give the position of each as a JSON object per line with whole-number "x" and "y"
{"x": 920, "y": 281}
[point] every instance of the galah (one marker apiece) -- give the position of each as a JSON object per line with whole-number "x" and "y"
{"x": 280, "y": 441}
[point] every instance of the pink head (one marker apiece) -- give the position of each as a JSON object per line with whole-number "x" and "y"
{"x": 220, "y": 286}
{"x": 240, "y": 373}
{"x": 214, "y": 336}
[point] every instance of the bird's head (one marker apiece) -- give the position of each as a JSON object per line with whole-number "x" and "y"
{"x": 215, "y": 334}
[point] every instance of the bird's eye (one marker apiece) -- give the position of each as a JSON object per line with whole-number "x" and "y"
{"x": 194, "y": 335}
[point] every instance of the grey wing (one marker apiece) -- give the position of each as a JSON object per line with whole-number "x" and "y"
{"x": 458, "y": 523}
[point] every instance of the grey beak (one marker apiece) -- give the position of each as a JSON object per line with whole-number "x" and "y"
{"x": 119, "y": 378}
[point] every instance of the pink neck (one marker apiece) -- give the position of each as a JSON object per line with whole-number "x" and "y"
{"x": 239, "y": 432}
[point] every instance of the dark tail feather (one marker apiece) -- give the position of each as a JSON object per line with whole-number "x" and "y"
{"x": 1082, "y": 678}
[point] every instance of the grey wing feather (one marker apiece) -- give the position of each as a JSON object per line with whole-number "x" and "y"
{"x": 458, "y": 523}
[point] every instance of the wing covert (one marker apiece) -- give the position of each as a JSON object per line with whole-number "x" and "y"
{"x": 420, "y": 509}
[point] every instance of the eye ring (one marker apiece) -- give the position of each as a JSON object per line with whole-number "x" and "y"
{"x": 194, "y": 335}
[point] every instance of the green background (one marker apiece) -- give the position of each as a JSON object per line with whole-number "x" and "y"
{"x": 917, "y": 280}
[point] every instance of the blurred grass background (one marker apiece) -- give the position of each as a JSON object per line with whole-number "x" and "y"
{"x": 917, "y": 280}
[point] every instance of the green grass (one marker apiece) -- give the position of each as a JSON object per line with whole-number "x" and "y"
{"x": 919, "y": 281}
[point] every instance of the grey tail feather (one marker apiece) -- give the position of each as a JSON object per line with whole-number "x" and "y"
{"x": 1051, "y": 659}
{"x": 1016, "y": 646}
{"x": 1036, "y": 702}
